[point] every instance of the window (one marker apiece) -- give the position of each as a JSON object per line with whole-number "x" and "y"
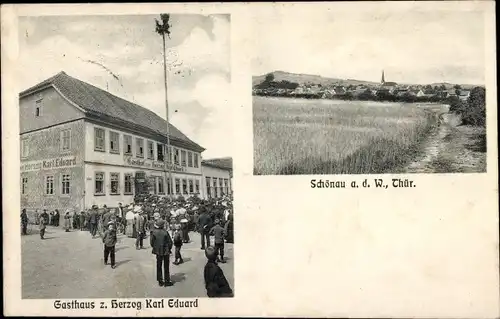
{"x": 215, "y": 187}
{"x": 159, "y": 152}
{"x": 183, "y": 158}
{"x": 25, "y": 150}
{"x": 24, "y": 185}
{"x": 128, "y": 184}
{"x": 139, "y": 150}
{"x": 115, "y": 183}
{"x": 190, "y": 159}
{"x": 197, "y": 186}
{"x": 65, "y": 140}
{"x": 151, "y": 150}
{"x": 152, "y": 185}
{"x": 169, "y": 185}
{"x": 209, "y": 193}
{"x": 161, "y": 188}
{"x": 226, "y": 183}
{"x": 195, "y": 160}
{"x": 176, "y": 156}
{"x": 191, "y": 188}
{"x": 38, "y": 108}
{"x": 99, "y": 139}
{"x": 127, "y": 141}
{"x": 114, "y": 142}
{"x": 65, "y": 185}
{"x": 177, "y": 186}
{"x": 184, "y": 186}
{"x": 99, "y": 183}
{"x": 49, "y": 185}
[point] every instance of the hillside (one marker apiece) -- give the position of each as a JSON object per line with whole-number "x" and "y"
{"x": 317, "y": 79}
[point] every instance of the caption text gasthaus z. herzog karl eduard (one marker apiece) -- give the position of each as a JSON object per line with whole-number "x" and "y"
{"x": 117, "y": 304}
{"x": 377, "y": 182}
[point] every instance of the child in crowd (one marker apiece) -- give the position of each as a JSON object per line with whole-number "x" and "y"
{"x": 218, "y": 232}
{"x": 178, "y": 244}
{"x": 109, "y": 239}
{"x": 216, "y": 283}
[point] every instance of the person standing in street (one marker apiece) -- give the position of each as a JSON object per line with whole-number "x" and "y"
{"x": 161, "y": 244}
{"x": 205, "y": 225}
{"x": 140, "y": 224}
{"x": 82, "y": 220}
{"x": 44, "y": 220}
{"x": 57, "y": 216}
{"x": 109, "y": 239}
{"x": 178, "y": 244}
{"x": 93, "y": 220}
{"x": 67, "y": 221}
{"x": 218, "y": 232}
{"x": 216, "y": 283}
{"x": 24, "y": 221}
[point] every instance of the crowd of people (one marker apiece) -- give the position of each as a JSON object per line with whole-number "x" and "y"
{"x": 167, "y": 221}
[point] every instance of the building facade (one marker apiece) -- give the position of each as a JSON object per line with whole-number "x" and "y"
{"x": 217, "y": 177}
{"x": 81, "y": 146}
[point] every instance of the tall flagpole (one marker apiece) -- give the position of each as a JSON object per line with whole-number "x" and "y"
{"x": 162, "y": 29}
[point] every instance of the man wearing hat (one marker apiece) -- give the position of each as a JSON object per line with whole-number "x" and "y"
{"x": 44, "y": 220}
{"x": 109, "y": 240}
{"x": 140, "y": 224}
{"x": 205, "y": 224}
{"x": 93, "y": 220}
{"x": 161, "y": 244}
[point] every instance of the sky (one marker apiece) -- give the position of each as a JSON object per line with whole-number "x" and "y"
{"x": 411, "y": 46}
{"x": 128, "y": 46}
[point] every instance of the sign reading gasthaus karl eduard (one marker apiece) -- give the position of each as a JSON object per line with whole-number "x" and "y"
{"x": 51, "y": 163}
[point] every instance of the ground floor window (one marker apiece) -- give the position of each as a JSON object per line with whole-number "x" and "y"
{"x": 197, "y": 186}
{"x": 24, "y": 185}
{"x": 115, "y": 183}
{"x": 191, "y": 187}
{"x": 128, "y": 184}
{"x": 161, "y": 188}
{"x": 184, "y": 186}
{"x": 49, "y": 185}
{"x": 215, "y": 187}
{"x": 209, "y": 192}
{"x": 169, "y": 186}
{"x": 177, "y": 186}
{"x": 99, "y": 183}
{"x": 65, "y": 185}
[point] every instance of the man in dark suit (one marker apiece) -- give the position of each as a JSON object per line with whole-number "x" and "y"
{"x": 162, "y": 245}
{"x": 93, "y": 220}
{"x": 24, "y": 221}
{"x": 205, "y": 224}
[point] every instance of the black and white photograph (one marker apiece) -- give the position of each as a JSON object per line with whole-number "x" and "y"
{"x": 126, "y": 171}
{"x": 356, "y": 92}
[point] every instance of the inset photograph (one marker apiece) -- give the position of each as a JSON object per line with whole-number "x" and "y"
{"x": 369, "y": 93}
{"x": 126, "y": 185}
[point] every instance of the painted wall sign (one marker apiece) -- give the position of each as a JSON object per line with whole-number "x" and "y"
{"x": 152, "y": 164}
{"x": 48, "y": 164}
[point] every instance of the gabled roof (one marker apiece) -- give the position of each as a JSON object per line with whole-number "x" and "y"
{"x": 99, "y": 103}
{"x": 223, "y": 163}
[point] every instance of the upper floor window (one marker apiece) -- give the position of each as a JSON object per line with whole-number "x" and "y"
{"x": 38, "y": 108}
{"x": 168, "y": 154}
{"x": 151, "y": 151}
{"x": 139, "y": 151}
{"x": 159, "y": 151}
{"x": 65, "y": 140}
{"x": 183, "y": 158}
{"x": 127, "y": 141}
{"x": 24, "y": 148}
{"x": 114, "y": 142}
{"x": 195, "y": 160}
{"x": 190, "y": 159}
{"x": 24, "y": 185}
{"x": 99, "y": 139}
{"x": 176, "y": 156}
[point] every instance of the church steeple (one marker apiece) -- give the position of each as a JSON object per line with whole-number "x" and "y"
{"x": 383, "y": 77}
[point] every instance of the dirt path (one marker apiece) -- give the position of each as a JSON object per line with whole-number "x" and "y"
{"x": 452, "y": 148}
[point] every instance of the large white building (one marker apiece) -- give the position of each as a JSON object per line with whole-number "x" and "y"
{"x": 81, "y": 145}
